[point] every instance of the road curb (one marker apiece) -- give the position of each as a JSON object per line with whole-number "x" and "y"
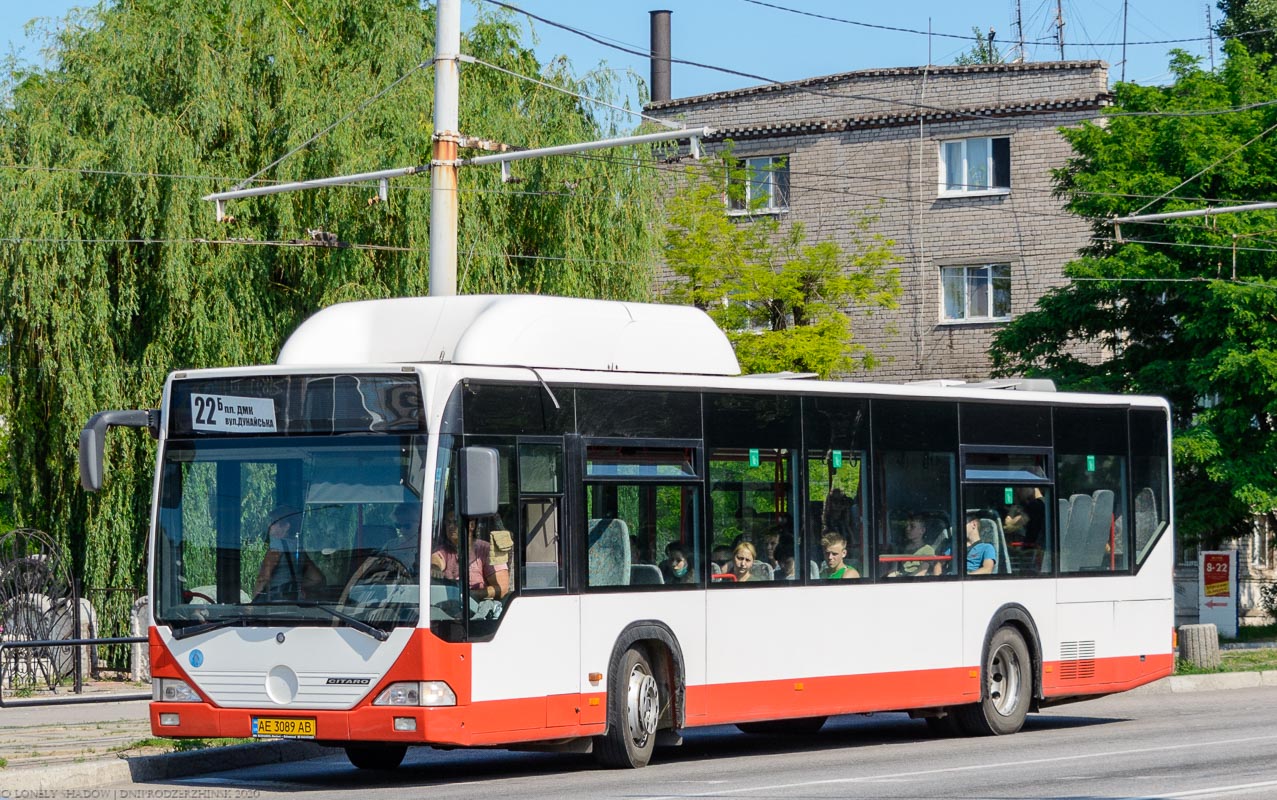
{"x": 1215, "y": 681}
{"x": 165, "y": 766}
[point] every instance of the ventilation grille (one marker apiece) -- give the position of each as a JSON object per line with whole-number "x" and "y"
{"x": 1077, "y": 660}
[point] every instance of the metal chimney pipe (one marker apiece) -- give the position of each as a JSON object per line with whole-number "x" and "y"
{"x": 660, "y": 56}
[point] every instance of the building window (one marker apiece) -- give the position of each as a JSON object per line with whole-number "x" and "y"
{"x": 976, "y": 293}
{"x": 975, "y": 166}
{"x": 760, "y": 186}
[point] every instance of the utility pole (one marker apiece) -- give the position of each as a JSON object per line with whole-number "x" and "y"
{"x": 1019, "y": 30}
{"x": 443, "y": 164}
{"x": 1126, "y": 7}
{"x": 1059, "y": 25}
{"x": 1210, "y": 36}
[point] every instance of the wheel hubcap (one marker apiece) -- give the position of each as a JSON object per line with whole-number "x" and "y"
{"x": 1004, "y": 680}
{"x": 643, "y": 703}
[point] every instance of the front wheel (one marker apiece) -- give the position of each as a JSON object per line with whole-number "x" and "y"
{"x": 634, "y": 709}
{"x": 1008, "y": 686}
{"x": 376, "y": 756}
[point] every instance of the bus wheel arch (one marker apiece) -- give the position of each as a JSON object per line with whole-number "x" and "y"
{"x": 643, "y": 648}
{"x": 1018, "y": 617}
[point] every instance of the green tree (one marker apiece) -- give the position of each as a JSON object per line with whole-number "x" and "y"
{"x": 782, "y": 301}
{"x": 115, "y": 272}
{"x": 1184, "y": 308}
{"x": 1252, "y": 22}
{"x": 984, "y": 51}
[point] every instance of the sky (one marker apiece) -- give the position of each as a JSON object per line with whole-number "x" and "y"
{"x": 758, "y": 37}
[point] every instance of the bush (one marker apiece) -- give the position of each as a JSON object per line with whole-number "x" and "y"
{"x": 1268, "y": 597}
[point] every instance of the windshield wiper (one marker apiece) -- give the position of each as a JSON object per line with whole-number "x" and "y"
{"x": 354, "y": 622}
{"x": 195, "y": 629}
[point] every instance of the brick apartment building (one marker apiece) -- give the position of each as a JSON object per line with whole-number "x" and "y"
{"x": 956, "y": 164}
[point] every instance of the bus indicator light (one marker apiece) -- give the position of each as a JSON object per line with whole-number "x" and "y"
{"x": 1008, "y": 496}
{"x": 753, "y": 457}
{"x": 837, "y": 459}
{"x": 1090, "y": 463}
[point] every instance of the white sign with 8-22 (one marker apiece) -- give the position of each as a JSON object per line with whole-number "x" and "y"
{"x": 226, "y": 414}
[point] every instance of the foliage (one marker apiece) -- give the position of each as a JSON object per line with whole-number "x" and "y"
{"x": 6, "y": 470}
{"x": 115, "y": 272}
{"x": 1174, "y": 309}
{"x": 984, "y": 51}
{"x": 781, "y": 300}
{"x": 1268, "y": 598}
{"x": 1252, "y": 22}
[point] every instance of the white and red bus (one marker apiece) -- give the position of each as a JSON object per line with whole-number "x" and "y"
{"x": 542, "y": 522}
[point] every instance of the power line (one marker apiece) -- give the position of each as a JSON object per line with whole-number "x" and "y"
{"x": 570, "y": 93}
{"x": 1051, "y": 41}
{"x": 738, "y": 73}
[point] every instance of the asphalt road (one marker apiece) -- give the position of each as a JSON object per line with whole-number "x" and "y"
{"x": 1204, "y": 745}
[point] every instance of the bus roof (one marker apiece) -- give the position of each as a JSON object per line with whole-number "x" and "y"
{"x": 515, "y": 330}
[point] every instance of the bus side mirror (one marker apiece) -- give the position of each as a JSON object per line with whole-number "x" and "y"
{"x": 93, "y": 441}
{"x": 479, "y": 481}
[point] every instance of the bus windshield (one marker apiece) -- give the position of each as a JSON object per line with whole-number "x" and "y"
{"x": 296, "y": 530}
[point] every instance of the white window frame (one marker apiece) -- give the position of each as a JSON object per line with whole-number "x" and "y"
{"x": 769, "y": 169}
{"x": 971, "y": 188}
{"x": 969, "y": 274}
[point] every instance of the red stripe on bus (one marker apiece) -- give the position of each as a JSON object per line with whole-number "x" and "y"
{"x": 496, "y": 722}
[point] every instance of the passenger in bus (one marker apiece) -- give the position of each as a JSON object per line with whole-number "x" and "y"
{"x": 786, "y": 569}
{"x": 1026, "y": 519}
{"x": 675, "y": 567}
{"x": 286, "y": 572}
{"x": 721, "y": 557}
{"x": 915, "y": 533}
{"x": 485, "y": 580}
{"x": 771, "y": 540}
{"x": 982, "y": 558}
{"x": 834, "y": 547}
{"x": 743, "y": 558}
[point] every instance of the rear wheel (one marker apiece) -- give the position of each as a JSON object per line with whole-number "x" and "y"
{"x": 634, "y": 709}
{"x": 1007, "y": 690}
{"x": 784, "y": 727}
{"x": 373, "y": 756}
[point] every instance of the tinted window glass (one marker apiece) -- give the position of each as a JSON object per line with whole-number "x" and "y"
{"x": 658, "y": 415}
{"x": 1003, "y": 423}
{"x": 1091, "y": 463}
{"x": 1150, "y": 479}
{"x": 751, "y": 421}
{"x": 509, "y": 409}
{"x": 915, "y": 425}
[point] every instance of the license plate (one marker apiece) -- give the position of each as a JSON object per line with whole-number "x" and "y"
{"x": 291, "y": 727}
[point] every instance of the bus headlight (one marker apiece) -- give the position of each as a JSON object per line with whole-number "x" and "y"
{"x": 417, "y": 693}
{"x": 171, "y": 690}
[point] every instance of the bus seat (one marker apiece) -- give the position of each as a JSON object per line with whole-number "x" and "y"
{"x": 1099, "y": 529}
{"x": 540, "y": 575}
{"x": 813, "y": 570}
{"x": 1073, "y": 538}
{"x": 1146, "y": 520}
{"x": 761, "y": 571}
{"x": 645, "y": 575}
{"x": 609, "y": 552}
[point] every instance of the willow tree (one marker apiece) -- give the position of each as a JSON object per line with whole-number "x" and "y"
{"x": 115, "y": 272}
